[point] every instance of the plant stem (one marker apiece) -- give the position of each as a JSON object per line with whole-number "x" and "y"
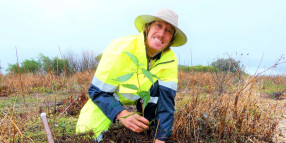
{"x": 137, "y": 74}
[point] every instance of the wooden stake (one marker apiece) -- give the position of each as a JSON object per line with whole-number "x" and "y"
{"x": 47, "y": 128}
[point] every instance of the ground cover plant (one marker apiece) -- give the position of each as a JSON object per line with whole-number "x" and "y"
{"x": 210, "y": 107}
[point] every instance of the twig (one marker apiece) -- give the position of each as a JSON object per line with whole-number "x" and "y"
{"x": 13, "y": 123}
{"x": 156, "y": 131}
{"x": 16, "y": 126}
{"x": 259, "y": 64}
{"x": 192, "y": 60}
{"x": 249, "y": 139}
{"x": 47, "y": 128}
{"x": 195, "y": 136}
{"x": 256, "y": 75}
{"x": 2, "y": 140}
{"x": 273, "y": 66}
{"x": 67, "y": 107}
{"x": 63, "y": 62}
{"x": 21, "y": 83}
{"x": 13, "y": 107}
{"x": 2, "y": 120}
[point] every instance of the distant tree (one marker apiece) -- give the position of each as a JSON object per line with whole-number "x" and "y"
{"x": 226, "y": 65}
{"x": 58, "y": 66}
{"x": 61, "y": 66}
{"x": 30, "y": 66}
{"x": 73, "y": 61}
{"x": 12, "y": 68}
{"x": 45, "y": 63}
{"x": 86, "y": 61}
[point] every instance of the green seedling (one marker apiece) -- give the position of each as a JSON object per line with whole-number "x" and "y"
{"x": 145, "y": 95}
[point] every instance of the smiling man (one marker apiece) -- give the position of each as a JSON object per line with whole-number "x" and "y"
{"x": 152, "y": 48}
{"x": 159, "y": 36}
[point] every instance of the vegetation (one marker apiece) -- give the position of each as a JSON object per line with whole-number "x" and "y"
{"x": 44, "y": 64}
{"x": 226, "y": 65}
{"x": 69, "y": 64}
{"x": 198, "y": 68}
{"x": 210, "y": 107}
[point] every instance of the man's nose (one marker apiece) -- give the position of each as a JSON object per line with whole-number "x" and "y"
{"x": 162, "y": 32}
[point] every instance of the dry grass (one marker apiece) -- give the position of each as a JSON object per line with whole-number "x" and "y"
{"x": 210, "y": 107}
{"x": 59, "y": 97}
{"x": 43, "y": 83}
{"x": 204, "y": 113}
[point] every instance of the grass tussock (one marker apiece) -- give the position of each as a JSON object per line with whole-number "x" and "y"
{"x": 218, "y": 119}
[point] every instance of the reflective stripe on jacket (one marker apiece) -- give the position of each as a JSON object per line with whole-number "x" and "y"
{"x": 109, "y": 96}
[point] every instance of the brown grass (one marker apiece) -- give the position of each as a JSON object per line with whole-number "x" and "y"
{"x": 203, "y": 114}
{"x": 210, "y": 107}
{"x": 44, "y": 82}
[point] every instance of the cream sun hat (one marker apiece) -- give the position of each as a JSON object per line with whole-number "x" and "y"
{"x": 167, "y": 16}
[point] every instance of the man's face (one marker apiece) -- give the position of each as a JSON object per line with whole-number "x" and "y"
{"x": 159, "y": 36}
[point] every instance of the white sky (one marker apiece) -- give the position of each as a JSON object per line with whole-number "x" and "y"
{"x": 247, "y": 30}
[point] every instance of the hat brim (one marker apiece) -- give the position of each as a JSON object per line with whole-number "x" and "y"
{"x": 140, "y": 21}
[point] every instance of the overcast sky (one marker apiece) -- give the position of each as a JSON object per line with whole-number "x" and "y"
{"x": 247, "y": 30}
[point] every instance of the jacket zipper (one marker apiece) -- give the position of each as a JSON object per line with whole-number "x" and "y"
{"x": 149, "y": 64}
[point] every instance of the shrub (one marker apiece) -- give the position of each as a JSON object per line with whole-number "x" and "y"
{"x": 198, "y": 68}
{"x": 227, "y": 65}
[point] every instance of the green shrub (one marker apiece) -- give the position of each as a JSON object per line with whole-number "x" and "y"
{"x": 30, "y": 66}
{"x": 198, "y": 68}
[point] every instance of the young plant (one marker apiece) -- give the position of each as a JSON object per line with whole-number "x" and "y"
{"x": 145, "y": 95}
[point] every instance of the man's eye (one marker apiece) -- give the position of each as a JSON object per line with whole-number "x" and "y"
{"x": 169, "y": 31}
{"x": 158, "y": 25}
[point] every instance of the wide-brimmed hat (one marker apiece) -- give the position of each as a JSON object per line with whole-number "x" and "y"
{"x": 167, "y": 16}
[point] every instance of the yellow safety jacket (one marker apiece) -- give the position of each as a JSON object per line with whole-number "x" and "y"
{"x": 107, "y": 96}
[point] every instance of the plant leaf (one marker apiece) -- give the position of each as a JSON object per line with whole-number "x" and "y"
{"x": 151, "y": 122}
{"x": 130, "y": 115}
{"x": 132, "y": 57}
{"x": 130, "y": 86}
{"x": 124, "y": 78}
{"x": 145, "y": 95}
{"x": 155, "y": 76}
{"x": 148, "y": 74}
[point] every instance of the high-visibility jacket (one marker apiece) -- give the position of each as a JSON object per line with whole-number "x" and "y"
{"x": 107, "y": 96}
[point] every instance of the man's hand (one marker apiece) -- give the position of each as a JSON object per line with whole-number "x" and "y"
{"x": 135, "y": 122}
{"x": 159, "y": 141}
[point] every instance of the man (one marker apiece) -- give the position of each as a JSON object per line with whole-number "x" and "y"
{"x": 152, "y": 48}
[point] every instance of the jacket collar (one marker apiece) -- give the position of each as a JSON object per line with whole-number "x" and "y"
{"x": 157, "y": 56}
